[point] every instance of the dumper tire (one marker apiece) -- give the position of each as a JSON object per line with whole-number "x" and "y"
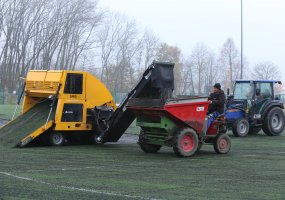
{"x": 146, "y": 147}
{"x": 222, "y": 143}
{"x": 274, "y": 122}
{"x": 186, "y": 142}
{"x": 240, "y": 127}
{"x": 56, "y": 138}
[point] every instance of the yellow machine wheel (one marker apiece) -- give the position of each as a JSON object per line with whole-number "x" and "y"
{"x": 56, "y": 138}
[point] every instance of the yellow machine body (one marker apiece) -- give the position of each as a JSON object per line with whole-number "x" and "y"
{"x": 77, "y": 89}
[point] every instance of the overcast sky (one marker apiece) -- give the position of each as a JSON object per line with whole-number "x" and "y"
{"x": 187, "y": 22}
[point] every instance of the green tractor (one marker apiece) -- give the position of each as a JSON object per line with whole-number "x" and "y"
{"x": 253, "y": 107}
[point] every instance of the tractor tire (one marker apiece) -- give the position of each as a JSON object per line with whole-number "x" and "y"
{"x": 147, "y": 148}
{"x": 186, "y": 142}
{"x": 273, "y": 124}
{"x": 56, "y": 138}
{"x": 240, "y": 127}
{"x": 254, "y": 130}
{"x": 222, "y": 144}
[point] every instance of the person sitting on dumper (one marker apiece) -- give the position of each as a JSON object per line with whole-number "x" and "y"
{"x": 217, "y": 103}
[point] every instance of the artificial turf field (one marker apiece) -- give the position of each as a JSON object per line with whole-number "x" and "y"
{"x": 254, "y": 169}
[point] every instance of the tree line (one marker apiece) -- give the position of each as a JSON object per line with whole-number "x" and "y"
{"x": 78, "y": 34}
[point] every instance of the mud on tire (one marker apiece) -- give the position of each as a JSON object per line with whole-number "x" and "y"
{"x": 222, "y": 144}
{"x": 186, "y": 142}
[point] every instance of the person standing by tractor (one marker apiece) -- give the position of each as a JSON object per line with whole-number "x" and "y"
{"x": 217, "y": 103}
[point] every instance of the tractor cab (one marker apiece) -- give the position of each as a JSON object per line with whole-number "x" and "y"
{"x": 248, "y": 108}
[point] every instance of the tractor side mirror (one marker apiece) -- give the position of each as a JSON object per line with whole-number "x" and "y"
{"x": 228, "y": 91}
{"x": 257, "y": 92}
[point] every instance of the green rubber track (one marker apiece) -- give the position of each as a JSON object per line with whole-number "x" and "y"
{"x": 25, "y": 124}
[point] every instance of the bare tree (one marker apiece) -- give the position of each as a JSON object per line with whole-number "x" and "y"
{"x": 266, "y": 71}
{"x": 187, "y": 81}
{"x": 202, "y": 62}
{"x": 108, "y": 39}
{"x": 38, "y": 34}
{"x": 150, "y": 44}
{"x": 229, "y": 60}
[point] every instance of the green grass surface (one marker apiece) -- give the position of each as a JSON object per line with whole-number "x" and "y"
{"x": 254, "y": 169}
{"x": 6, "y": 111}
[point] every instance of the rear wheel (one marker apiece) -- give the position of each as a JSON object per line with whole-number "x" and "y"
{"x": 240, "y": 127}
{"x": 273, "y": 124}
{"x": 186, "y": 142}
{"x": 56, "y": 139}
{"x": 146, "y": 147}
{"x": 222, "y": 144}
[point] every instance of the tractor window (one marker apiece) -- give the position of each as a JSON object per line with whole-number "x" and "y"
{"x": 243, "y": 91}
{"x": 73, "y": 84}
{"x": 265, "y": 91}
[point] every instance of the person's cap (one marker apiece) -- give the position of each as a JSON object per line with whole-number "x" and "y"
{"x": 218, "y": 86}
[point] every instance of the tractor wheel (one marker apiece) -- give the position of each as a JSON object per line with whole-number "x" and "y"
{"x": 254, "y": 130}
{"x": 186, "y": 143}
{"x": 222, "y": 144}
{"x": 240, "y": 127}
{"x": 273, "y": 123}
{"x": 56, "y": 138}
{"x": 147, "y": 148}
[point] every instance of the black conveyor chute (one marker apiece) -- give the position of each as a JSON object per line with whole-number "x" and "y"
{"x": 157, "y": 83}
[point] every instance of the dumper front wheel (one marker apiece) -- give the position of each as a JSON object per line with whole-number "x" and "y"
{"x": 146, "y": 147}
{"x": 186, "y": 142}
{"x": 56, "y": 139}
{"x": 222, "y": 144}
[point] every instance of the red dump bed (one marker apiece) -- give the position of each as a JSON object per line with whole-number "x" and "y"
{"x": 191, "y": 110}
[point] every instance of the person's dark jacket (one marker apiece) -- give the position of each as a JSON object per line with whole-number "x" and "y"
{"x": 218, "y": 102}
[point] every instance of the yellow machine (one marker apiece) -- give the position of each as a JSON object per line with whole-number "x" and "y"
{"x": 66, "y": 96}
{"x": 60, "y": 106}
{"x": 77, "y": 92}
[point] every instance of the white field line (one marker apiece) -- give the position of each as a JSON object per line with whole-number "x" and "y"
{"x": 249, "y": 155}
{"x": 61, "y": 169}
{"x": 77, "y": 189}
